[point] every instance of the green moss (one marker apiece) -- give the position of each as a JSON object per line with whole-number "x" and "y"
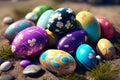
{"x": 103, "y": 71}
{"x": 7, "y": 53}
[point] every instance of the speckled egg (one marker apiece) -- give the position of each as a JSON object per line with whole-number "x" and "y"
{"x": 61, "y": 20}
{"x": 72, "y": 40}
{"x": 52, "y": 39}
{"x": 105, "y": 48}
{"x": 29, "y": 42}
{"x": 16, "y": 27}
{"x": 90, "y": 24}
{"x": 41, "y": 9}
{"x": 43, "y": 20}
{"x": 58, "y": 61}
{"x": 31, "y": 16}
{"x": 86, "y": 56}
{"x": 107, "y": 30}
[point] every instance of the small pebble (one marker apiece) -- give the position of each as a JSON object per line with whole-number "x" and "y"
{"x": 1, "y": 60}
{"x": 98, "y": 57}
{"x": 8, "y": 20}
{"x": 31, "y": 16}
{"x": 7, "y": 77}
{"x": 24, "y": 63}
{"x": 5, "y": 66}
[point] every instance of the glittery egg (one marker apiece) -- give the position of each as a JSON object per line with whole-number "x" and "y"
{"x": 29, "y": 42}
{"x": 86, "y": 56}
{"x": 43, "y": 20}
{"x": 41, "y": 9}
{"x": 16, "y": 27}
{"x": 107, "y": 30}
{"x": 58, "y": 61}
{"x": 61, "y": 20}
{"x": 105, "y": 48}
{"x": 90, "y": 24}
{"x": 72, "y": 40}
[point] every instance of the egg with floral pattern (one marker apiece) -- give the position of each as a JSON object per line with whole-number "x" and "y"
{"x": 86, "y": 56}
{"x": 72, "y": 40}
{"x": 58, "y": 61}
{"x": 90, "y": 24}
{"x": 105, "y": 48}
{"x": 16, "y": 27}
{"x": 39, "y": 10}
{"x": 61, "y": 20}
{"x": 29, "y": 42}
{"x": 43, "y": 20}
{"x": 107, "y": 30}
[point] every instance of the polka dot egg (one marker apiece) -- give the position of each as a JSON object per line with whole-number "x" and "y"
{"x": 58, "y": 61}
{"x": 29, "y": 42}
{"x": 61, "y": 20}
{"x": 72, "y": 40}
{"x": 16, "y": 27}
{"x": 86, "y": 56}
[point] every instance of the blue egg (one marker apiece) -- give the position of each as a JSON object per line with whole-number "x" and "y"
{"x": 86, "y": 56}
{"x": 43, "y": 20}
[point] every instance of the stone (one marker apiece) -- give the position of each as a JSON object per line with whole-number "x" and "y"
{"x": 24, "y": 63}
{"x": 8, "y": 20}
{"x": 7, "y": 77}
{"x": 32, "y": 70}
{"x": 1, "y": 60}
{"x": 5, "y": 66}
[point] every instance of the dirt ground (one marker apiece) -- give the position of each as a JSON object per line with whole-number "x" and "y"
{"x": 6, "y": 8}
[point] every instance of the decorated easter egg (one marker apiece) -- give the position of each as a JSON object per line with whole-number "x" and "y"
{"x": 43, "y": 20}
{"x": 58, "y": 61}
{"x": 52, "y": 39}
{"x": 90, "y": 24}
{"x": 8, "y": 20}
{"x": 105, "y": 48}
{"x": 86, "y": 56}
{"x": 31, "y": 16}
{"x": 72, "y": 40}
{"x": 29, "y": 42}
{"x": 107, "y": 30}
{"x": 61, "y": 20}
{"x": 16, "y": 27}
{"x": 24, "y": 63}
{"x": 41, "y": 9}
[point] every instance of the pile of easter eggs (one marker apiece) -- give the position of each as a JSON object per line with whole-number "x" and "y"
{"x": 57, "y": 35}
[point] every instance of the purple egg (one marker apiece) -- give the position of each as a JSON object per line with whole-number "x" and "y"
{"x": 29, "y": 42}
{"x": 72, "y": 40}
{"x": 24, "y": 63}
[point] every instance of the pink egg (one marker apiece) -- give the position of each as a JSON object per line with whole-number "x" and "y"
{"x": 107, "y": 29}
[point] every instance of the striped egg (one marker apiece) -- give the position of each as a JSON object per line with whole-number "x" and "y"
{"x": 61, "y": 20}
{"x": 29, "y": 42}
{"x": 58, "y": 61}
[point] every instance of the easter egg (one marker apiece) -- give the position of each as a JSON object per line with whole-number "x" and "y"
{"x": 41, "y": 9}
{"x": 90, "y": 24}
{"x": 16, "y": 27}
{"x": 86, "y": 56}
{"x": 43, "y": 20}
{"x": 107, "y": 30}
{"x": 72, "y": 40}
{"x": 31, "y": 16}
{"x": 52, "y": 39}
{"x": 105, "y": 48}
{"x": 58, "y": 61}
{"x": 61, "y": 20}
{"x": 24, "y": 63}
{"x": 8, "y": 20}
{"x": 29, "y": 42}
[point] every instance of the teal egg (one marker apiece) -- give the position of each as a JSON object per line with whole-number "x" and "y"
{"x": 86, "y": 56}
{"x": 43, "y": 20}
{"x": 16, "y": 27}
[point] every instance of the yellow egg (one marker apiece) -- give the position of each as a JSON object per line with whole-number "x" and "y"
{"x": 105, "y": 48}
{"x": 52, "y": 39}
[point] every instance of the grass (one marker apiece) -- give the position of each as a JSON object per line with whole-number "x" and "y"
{"x": 103, "y": 71}
{"x": 73, "y": 76}
{"x": 6, "y": 53}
